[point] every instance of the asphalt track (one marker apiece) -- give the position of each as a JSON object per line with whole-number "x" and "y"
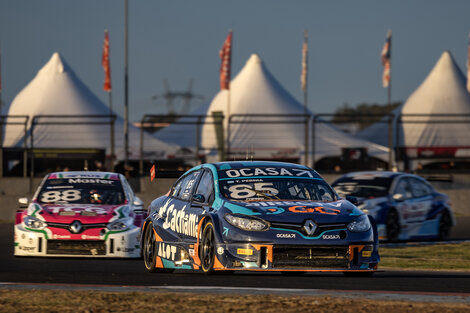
{"x": 131, "y": 272}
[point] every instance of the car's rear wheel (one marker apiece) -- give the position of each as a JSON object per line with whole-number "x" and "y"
{"x": 445, "y": 224}
{"x": 149, "y": 252}
{"x": 207, "y": 248}
{"x": 393, "y": 226}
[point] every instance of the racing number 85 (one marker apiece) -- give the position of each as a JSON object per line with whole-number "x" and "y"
{"x": 243, "y": 191}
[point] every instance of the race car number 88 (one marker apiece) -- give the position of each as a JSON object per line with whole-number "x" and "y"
{"x": 66, "y": 195}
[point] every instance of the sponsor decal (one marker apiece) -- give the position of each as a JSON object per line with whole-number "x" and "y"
{"x": 220, "y": 250}
{"x": 77, "y": 210}
{"x": 267, "y": 171}
{"x": 178, "y": 220}
{"x": 328, "y": 237}
{"x": 319, "y": 209}
{"x": 56, "y": 236}
{"x": 166, "y": 251}
{"x": 288, "y": 236}
{"x": 27, "y": 249}
{"x": 90, "y": 181}
{"x": 275, "y": 211}
{"x": 129, "y": 250}
{"x": 244, "y": 251}
{"x": 191, "y": 252}
{"x": 367, "y": 254}
{"x": 90, "y": 237}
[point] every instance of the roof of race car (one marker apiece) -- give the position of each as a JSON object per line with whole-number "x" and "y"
{"x": 83, "y": 174}
{"x": 243, "y": 164}
{"x": 373, "y": 174}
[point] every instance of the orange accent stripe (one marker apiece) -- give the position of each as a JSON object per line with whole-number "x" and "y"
{"x": 269, "y": 248}
{"x": 157, "y": 237}
{"x": 217, "y": 264}
{"x": 196, "y": 259}
{"x": 159, "y": 263}
{"x": 351, "y": 250}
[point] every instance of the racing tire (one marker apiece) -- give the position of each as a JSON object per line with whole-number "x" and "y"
{"x": 392, "y": 225}
{"x": 207, "y": 249}
{"x": 149, "y": 252}
{"x": 445, "y": 225}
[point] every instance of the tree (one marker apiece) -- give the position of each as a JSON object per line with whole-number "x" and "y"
{"x": 364, "y": 114}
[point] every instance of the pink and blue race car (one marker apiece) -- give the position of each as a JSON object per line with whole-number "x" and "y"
{"x": 80, "y": 214}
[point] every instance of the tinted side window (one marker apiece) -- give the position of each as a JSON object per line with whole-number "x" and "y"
{"x": 206, "y": 186}
{"x": 419, "y": 188}
{"x": 184, "y": 188}
{"x": 403, "y": 188}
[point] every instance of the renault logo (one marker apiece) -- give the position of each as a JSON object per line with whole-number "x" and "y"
{"x": 76, "y": 227}
{"x": 309, "y": 227}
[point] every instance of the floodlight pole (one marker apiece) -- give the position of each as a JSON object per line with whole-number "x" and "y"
{"x": 126, "y": 83}
{"x": 306, "y": 128}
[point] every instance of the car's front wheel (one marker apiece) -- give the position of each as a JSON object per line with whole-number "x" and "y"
{"x": 149, "y": 252}
{"x": 445, "y": 224}
{"x": 393, "y": 226}
{"x": 207, "y": 248}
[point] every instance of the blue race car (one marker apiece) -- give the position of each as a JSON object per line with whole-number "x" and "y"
{"x": 404, "y": 206}
{"x": 257, "y": 216}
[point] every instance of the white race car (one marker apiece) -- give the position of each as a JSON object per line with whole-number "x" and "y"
{"x": 80, "y": 214}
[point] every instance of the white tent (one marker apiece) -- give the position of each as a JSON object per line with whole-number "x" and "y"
{"x": 56, "y": 90}
{"x": 255, "y": 91}
{"x": 425, "y": 131}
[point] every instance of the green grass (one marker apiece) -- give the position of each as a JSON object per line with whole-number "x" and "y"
{"x": 436, "y": 257}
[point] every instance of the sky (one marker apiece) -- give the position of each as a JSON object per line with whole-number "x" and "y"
{"x": 179, "y": 41}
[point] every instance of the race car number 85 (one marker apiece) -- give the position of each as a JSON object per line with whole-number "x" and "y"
{"x": 66, "y": 195}
{"x": 243, "y": 191}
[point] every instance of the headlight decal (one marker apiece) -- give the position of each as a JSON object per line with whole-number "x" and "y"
{"x": 360, "y": 224}
{"x": 247, "y": 223}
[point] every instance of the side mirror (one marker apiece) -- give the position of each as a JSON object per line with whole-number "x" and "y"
{"x": 352, "y": 199}
{"x": 23, "y": 202}
{"x": 398, "y": 197}
{"x": 138, "y": 203}
{"x": 199, "y": 198}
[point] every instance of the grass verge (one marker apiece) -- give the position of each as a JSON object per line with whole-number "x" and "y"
{"x": 434, "y": 257}
{"x": 93, "y": 301}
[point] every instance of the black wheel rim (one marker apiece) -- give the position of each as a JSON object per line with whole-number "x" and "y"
{"x": 393, "y": 228}
{"x": 149, "y": 248}
{"x": 208, "y": 249}
{"x": 444, "y": 226}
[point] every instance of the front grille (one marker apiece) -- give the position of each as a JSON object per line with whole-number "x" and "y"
{"x": 83, "y": 226}
{"x": 311, "y": 257}
{"x": 76, "y": 247}
{"x": 299, "y": 227}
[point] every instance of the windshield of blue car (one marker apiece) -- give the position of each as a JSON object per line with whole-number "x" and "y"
{"x": 374, "y": 187}
{"x": 81, "y": 191}
{"x": 288, "y": 188}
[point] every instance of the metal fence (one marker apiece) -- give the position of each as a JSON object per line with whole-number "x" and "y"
{"x": 21, "y": 120}
{"x": 186, "y": 131}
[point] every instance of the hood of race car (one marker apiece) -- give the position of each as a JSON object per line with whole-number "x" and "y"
{"x": 86, "y": 213}
{"x": 340, "y": 211}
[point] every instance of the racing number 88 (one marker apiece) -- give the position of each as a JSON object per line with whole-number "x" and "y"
{"x": 66, "y": 195}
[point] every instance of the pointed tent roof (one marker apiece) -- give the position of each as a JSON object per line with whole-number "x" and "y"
{"x": 442, "y": 92}
{"x": 56, "y": 90}
{"x": 255, "y": 91}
